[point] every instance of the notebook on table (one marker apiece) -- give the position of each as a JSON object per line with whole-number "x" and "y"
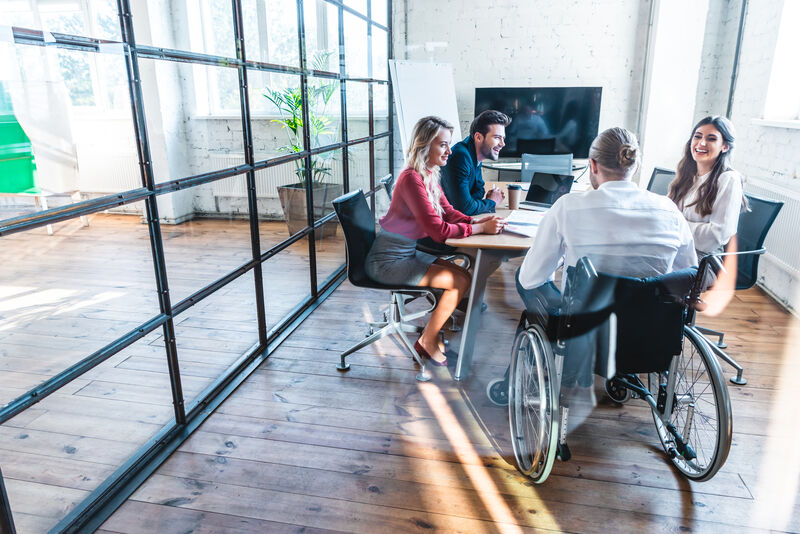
{"x": 545, "y": 189}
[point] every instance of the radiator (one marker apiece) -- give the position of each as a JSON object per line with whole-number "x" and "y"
{"x": 268, "y": 180}
{"x": 781, "y": 242}
{"x": 108, "y": 174}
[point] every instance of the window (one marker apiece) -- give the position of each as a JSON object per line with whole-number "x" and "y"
{"x": 93, "y": 81}
{"x": 118, "y": 288}
{"x": 270, "y": 33}
{"x": 783, "y": 96}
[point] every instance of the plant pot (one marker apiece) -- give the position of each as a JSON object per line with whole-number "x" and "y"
{"x": 293, "y": 202}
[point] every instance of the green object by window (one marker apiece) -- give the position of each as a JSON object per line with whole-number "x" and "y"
{"x": 17, "y": 166}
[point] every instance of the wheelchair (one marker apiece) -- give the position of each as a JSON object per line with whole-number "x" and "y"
{"x": 646, "y": 347}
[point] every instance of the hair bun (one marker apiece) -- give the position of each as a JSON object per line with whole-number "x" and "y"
{"x": 627, "y": 155}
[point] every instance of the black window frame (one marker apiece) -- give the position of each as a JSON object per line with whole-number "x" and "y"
{"x": 111, "y": 493}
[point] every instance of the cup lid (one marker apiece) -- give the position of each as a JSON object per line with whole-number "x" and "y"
{"x": 514, "y": 186}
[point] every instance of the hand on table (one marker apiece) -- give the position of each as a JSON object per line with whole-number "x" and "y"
{"x": 496, "y": 195}
{"x": 491, "y": 224}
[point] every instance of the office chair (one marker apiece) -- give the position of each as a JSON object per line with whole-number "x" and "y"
{"x": 552, "y": 163}
{"x": 751, "y": 233}
{"x": 358, "y": 226}
{"x": 660, "y": 180}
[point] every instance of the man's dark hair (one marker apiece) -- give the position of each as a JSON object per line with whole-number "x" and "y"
{"x": 485, "y": 119}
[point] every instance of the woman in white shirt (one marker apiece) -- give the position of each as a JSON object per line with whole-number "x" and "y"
{"x": 706, "y": 188}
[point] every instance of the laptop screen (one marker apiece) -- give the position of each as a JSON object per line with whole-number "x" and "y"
{"x": 546, "y": 187}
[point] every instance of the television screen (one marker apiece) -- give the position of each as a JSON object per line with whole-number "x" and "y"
{"x": 545, "y": 120}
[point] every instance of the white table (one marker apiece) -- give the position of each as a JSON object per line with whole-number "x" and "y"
{"x": 489, "y": 250}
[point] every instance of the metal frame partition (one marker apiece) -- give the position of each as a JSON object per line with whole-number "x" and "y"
{"x": 113, "y": 491}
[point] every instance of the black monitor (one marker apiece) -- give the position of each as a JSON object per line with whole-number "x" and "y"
{"x": 545, "y": 120}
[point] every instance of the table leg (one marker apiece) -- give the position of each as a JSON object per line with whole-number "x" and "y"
{"x": 485, "y": 259}
{"x": 41, "y": 203}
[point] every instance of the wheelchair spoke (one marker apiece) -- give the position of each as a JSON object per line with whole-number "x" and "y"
{"x": 530, "y": 409}
{"x": 697, "y": 383}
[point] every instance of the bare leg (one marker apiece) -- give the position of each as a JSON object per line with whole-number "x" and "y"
{"x": 455, "y": 281}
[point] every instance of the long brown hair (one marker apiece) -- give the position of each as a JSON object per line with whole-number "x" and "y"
{"x": 687, "y": 169}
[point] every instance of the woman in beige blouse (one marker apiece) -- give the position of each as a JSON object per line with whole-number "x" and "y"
{"x": 706, "y": 188}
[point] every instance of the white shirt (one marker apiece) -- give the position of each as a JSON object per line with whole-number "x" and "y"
{"x": 624, "y": 230}
{"x": 712, "y": 232}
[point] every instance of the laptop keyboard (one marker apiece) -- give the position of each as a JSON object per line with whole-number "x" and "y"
{"x": 535, "y": 206}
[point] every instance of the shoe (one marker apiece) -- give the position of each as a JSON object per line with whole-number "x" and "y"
{"x": 424, "y": 354}
{"x": 464, "y": 304}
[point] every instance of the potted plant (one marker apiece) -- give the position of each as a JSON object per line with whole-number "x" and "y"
{"x": 289, "y": 102}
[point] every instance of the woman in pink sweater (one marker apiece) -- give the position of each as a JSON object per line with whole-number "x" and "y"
{"x": 418, "y": 209}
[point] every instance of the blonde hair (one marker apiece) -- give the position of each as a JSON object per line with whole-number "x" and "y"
{"x": 616, "y": 150}
{"x": 425, "y": 131}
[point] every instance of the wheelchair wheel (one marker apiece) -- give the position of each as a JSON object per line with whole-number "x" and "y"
{"x": 701, "y": 410}
{"x": 533, "y": 404}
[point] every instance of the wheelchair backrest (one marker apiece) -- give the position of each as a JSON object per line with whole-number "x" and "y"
{"x": 650, "y": 315}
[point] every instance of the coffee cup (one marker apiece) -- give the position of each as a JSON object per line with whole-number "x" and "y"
{"x": 514, "y": 194}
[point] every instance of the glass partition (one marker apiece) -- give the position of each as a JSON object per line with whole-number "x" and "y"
{"x": 276, "y": 114}
{"x": 380, "y": 54}
{"x": 358, "y": 5}
{"x": 379, "y": 12}
{"x": 281, "y": 202}
{"x": 322, "y": 35}
{"x": 325, "y": 111}
{"x": 357, "y": 109}
{"x": 203, "y": 26}
{"x": 380, "y": 107}
{"x": 287, "y": 281}
{"x": 270, "y": 31}
{"x": 206, "y": 233}
{"x": 194, "y": 119}
{"x": 355, "y": 51}
{"x": 358, "y": 165}
{"x": 327, "y": 185}
{"x": 87, "y": 278}
{"x": 67, "y": 295}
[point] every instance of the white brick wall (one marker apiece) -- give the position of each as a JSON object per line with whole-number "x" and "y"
{"x": 719, "y": 47}
{"x": 764, "y": 153}
{"x": 530, "y": 43}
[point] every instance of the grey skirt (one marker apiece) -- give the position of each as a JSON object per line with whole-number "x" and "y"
{"x": 394, "y": 259}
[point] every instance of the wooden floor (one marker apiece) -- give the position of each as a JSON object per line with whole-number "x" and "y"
{"x": 300, "y": 447}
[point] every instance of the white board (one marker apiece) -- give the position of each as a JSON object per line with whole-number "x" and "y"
{"x": 422, "y": 89}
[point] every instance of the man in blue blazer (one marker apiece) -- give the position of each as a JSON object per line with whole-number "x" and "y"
{"x": 462, "y": 180}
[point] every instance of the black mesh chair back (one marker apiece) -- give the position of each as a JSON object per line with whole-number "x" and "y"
{"x": 388, "y": 184}
{"x": 660, "y": 180}
{"x": 752, "y": 231}
{"x": 358, "y": 226}
{"x": 651, "y": 314}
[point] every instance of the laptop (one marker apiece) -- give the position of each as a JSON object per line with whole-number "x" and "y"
{"x": 545, "y": 189}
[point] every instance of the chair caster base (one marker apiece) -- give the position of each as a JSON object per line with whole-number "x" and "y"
{"x": 617, "y": 392}
{"x": 497, "y": 391}
{"x": 739, "y": 380}
{"x": 423, "y": 376}
{"x": 343, "y": 367}
{"x": 722, "y": 345}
